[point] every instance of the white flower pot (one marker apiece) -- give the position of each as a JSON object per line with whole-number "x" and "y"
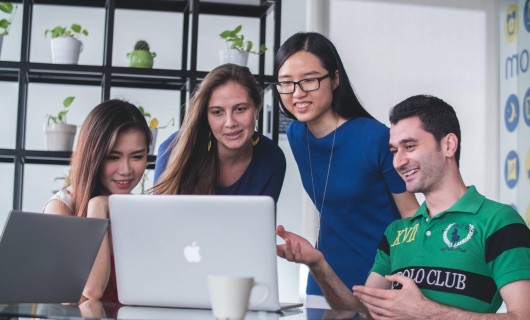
{"x": 66, "y": 50}
{"x": 233, "y": 56}
{"x": 60, "y": 137}
{"x": 154, "y": 133}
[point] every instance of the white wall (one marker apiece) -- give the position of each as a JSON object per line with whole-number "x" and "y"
{"x": 393, "y": 49}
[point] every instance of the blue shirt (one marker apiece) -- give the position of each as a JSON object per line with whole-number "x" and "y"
{"x": 358, "y": 204}
{"x": 263, "y": 176}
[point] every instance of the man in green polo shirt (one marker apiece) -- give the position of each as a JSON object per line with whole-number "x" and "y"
{"x": 458, "y": 257}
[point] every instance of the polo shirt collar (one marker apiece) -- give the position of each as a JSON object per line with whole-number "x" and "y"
{"x": 470, "y": 202}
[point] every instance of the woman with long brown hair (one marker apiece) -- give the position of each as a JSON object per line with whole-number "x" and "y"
{"x": 217, "y": 150}
{"x": 109, "y": 158}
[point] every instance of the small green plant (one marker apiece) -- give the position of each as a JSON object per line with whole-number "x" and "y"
{"x": 237, "y": 41}
{"x": 141, "y": 45}
{"x": 8, "y": 8}
{"x": 153, "y": 121}
{"x": 61, "y": 116}
{"x": 74, "y": 31}
{"x": 141, "y": 56}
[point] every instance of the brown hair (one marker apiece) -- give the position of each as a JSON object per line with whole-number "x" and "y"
{"x": 191, "y": 168}
{"x": 96, "y": 139}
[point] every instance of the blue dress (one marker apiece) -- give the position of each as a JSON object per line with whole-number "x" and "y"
{"x": 358, "y": 204}
{"x": 264, "y": 174}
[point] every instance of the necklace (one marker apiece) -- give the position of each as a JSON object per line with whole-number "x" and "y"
{"x": 321, "y": 211}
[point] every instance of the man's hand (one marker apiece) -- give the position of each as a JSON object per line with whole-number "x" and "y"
{"x": 296, "y": 248}
{"x": 405, "y": 303}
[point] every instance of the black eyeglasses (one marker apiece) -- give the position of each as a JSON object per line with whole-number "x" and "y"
{"x": 307, "y": 85}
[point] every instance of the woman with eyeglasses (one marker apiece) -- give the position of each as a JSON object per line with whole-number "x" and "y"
{"x": 343, "y": 158}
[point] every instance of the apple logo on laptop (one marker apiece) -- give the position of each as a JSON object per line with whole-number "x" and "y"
{"x": 191, "y": 253}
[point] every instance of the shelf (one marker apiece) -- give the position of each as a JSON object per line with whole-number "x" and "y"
{"x": 94, "y": 75}
{"x": 206, "y": 7}
{"x": 107, "y": 76}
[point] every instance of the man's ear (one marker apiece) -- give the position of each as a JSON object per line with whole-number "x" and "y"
{"x": 450, "y": 144}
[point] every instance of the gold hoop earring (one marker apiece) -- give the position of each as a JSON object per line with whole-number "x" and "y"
{"x": 209, "y": 141}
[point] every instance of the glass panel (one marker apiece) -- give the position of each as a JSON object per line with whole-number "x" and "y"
{"x": 7, "y": 172}
{"x": 8, "y": 105}
{"x": 49, "y": 16}
{"x": 161, "y": 30}
{"x": 11, "y": 43}
{"x": 210, "y": 44}
{"x": 44, "y": 99}
{"x": 40, "y": 183}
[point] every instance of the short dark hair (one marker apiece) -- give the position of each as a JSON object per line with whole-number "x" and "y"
{"x": 437, "y": 117}
{"x": 345, "y": 102}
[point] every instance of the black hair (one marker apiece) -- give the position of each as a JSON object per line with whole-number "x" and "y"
{"x": 345, "y": 102}
{"x": 437, "y": 116}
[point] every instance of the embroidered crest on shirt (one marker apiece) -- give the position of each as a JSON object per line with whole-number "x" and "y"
{"x": 456, "y": 235}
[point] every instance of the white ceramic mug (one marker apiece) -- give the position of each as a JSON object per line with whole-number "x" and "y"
{"x": 230, "y": 296}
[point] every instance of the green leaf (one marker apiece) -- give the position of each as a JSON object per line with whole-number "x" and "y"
{"x": 51, "y": 119}
{"x": 238, "y": 43}
{"x": 76, "y": 28}
{"x": 6, "y": 7}
{"x": 249, "y": 46}
{"x": 262, "y": 48}
{"x": 59, "y": 31}
{"x": 225, "y": 34}
{"x": 237, "y": 29}
{"x": 68, "y": 101}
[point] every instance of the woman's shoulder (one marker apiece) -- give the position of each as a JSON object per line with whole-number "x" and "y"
{"x": 169, "y": 139}
{"x": 269, "y": 150}
{"x": 367, "y": 129}
{"x": 366, "y": 123}
{"x": 166, "y": 144}
{"x": 63, "y": 198}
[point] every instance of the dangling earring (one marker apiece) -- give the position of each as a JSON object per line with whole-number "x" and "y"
{"x": 209, "y": 141}
{"x": 255, "y": 140}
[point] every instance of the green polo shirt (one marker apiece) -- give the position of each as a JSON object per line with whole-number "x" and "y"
{"x": 461, "y": 257}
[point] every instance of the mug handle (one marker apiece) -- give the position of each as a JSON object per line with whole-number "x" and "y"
{"x": 256, "y": 284}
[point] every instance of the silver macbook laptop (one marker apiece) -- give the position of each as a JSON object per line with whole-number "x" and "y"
{"x": 166, "y": 246}
{"x": 47, "y": 258}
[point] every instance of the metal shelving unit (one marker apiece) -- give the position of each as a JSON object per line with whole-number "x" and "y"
{"x": 107, "y": 76}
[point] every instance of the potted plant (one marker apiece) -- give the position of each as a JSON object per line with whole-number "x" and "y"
{"x": 141, "y": 56}
{"x": 154, "y": 125}
{"x": 60, "y": 135}
{"x": 237, "y": 48}
{"x": 7, "y": 8}
{"x": 65, "y": 43}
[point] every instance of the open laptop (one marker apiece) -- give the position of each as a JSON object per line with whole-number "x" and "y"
{"x": 165, "y": 246}
{"x": 47, "y": 258}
